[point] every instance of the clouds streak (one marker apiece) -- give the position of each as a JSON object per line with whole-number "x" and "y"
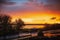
{"x": 33, "y": 5}
{"x": 53, "y": 5}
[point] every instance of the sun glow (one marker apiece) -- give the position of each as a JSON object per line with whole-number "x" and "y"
{"x": 38, "y": 20}
{"x": 27, "y": 20}
{"x": 36, "y": 17}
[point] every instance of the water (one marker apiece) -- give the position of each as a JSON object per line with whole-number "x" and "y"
{"x": 33, "y": 34}
{"x": 21, "y": 35}
{"x": 33, "y": 26}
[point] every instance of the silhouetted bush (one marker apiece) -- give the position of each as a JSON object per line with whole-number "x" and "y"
{"x": 52, "y": 26}
{"x": 19, "y": 25}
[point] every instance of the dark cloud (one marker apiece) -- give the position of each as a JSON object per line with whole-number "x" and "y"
{"x": 53, "y": 18}
{"x": 33, "y": 0}
{"x": 2, "y": 2}
{"x": 30, "y": 0}
{"x": 53, "y": 1}
{"x": 53, "y": 5}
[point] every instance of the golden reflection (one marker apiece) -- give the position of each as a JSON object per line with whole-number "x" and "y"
{"x": 33, "y": 26}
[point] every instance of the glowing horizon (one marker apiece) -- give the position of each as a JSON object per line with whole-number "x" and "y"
{"x": 34, "y": 11}
{"x": 37, "y": 19}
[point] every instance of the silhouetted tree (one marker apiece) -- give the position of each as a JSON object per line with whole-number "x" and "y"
{"x": 19, "y": 24}
{"x": 5, "y": 22}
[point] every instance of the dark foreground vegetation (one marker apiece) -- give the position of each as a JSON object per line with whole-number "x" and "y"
{"x": 8, "y": 28}
{"x": 42, "y": 38}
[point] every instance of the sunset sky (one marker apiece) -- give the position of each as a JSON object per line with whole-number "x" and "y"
{"x": 34, "y": 11}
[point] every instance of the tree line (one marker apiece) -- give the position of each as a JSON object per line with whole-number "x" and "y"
{"x": 9, "y": 27}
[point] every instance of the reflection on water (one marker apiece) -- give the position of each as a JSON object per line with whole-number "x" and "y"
{"x": 33, "y": 26}
{"x": 31, "y": 34}
{"x": 21, "y": 35}
{"x": 48, "y": 33}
